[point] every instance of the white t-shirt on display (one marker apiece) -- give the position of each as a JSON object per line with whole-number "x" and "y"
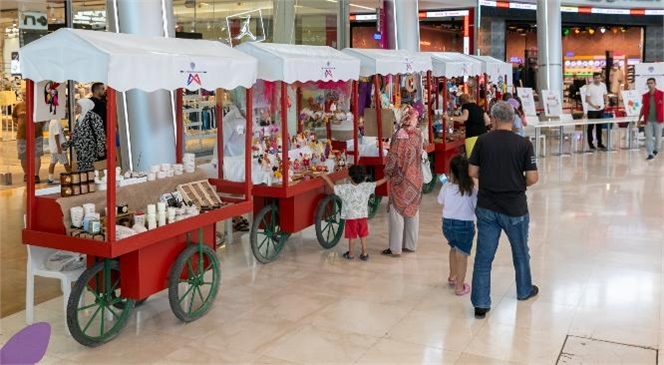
{"x": 55, "y": 129}
{"x": 355, "y": 199}
{"x": 596, "y": 94}
{"x": 456, "y": 206}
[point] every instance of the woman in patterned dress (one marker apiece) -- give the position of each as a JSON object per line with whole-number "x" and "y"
{"x": 404, "y": 168}
{"x": 89, "y": 137}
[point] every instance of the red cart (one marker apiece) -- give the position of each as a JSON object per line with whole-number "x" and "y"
{"x": 284, "y": 207}
{"x": 390, "y": 68}
{"x": 446, "y": 66}
{"x": 180, "y": 256}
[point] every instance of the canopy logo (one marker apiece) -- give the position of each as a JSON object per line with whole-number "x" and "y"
{"x": 409, "y": 65}
{"x": 193, "y": 76}
{"x": 328, "y": 70}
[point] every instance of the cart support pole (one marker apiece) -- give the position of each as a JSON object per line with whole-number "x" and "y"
{"x": 179, "y": 127}
{"x": 356, "y": 121}
{"x": 249, "y": 132}
{"x": 379, "y": 117}
{"x": 445, "y": 102}
{"x": 111, "y": 117}
{"x": 219, "y": 111}
{"x": 284, "y": 134}
{"x": 429, "y": 107}
{"x": 30, "y": 151}
{"x": 298, "y": 103}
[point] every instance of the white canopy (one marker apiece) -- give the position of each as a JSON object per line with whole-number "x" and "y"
{"x": 298, "y": 63}
{"x": 126, "y": 62}
{"x": 451, "y": 64}
{"x": 390, "y": 61}
{"x": 496, "y": 69}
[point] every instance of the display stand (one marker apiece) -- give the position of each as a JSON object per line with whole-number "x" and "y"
{"x": 497, "y": 74}
{"x": 179, "y": 256}
{"x": 389, "y": 67}
{"x": 285, "y": 206}
{"x": 447, "y": 66}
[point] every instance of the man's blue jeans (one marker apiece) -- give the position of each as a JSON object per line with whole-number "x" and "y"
{"x": 489, "y": 226}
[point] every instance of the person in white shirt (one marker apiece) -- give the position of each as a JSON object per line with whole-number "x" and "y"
{"x": 459, "y": 200}
{"x": 597, "y": 98}
{"x": 55, "y": 140}
{"x": 354, "y": 208}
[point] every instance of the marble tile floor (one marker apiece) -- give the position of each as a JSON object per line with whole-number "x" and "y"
{"x": 596, "y": 245}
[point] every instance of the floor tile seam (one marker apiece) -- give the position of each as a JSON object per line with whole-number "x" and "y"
{"x": 643, "y": 347}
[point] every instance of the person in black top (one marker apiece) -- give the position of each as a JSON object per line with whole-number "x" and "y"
{"x": 99, "y": 98}
{"x": 505, "y": 165}
{"x": 474, "y": 118}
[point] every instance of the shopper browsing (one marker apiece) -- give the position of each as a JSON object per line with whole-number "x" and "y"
{"x": 459, "y": 199}
{"x": 596, "y": 98}
{"x": 354, "y": 208}
{"x": 505, "y": 165}
{"x": 652, "y": 113}
{"x": 55, "y": 141}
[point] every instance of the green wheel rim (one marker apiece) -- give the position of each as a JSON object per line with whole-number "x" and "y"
{"x": 374, "y": 204}
{"x": 194, "y": 282}
{"x": 328, "y": 222}
{"x": 267, "y": 239}
{"x": 428, "y": 187}
{"x": 96, "y": 310}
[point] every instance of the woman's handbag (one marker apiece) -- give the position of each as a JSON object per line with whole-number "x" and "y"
{"x": 427, "y": 176}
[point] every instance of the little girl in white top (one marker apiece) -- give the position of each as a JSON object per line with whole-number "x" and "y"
{"x": 459, "y": 199}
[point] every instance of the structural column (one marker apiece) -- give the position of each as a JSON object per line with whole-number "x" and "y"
{"x": 402, "y": 24}
{"x": 146, "y": 121}
{"x": 283, "y": 21}
{"x": 343, "y": 25}
{"x": 549, "y": 46}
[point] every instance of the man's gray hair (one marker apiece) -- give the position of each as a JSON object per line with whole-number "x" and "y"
{"x": 503, "y": 112}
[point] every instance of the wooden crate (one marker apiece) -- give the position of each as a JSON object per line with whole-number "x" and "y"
{"x": 201, "y": 194}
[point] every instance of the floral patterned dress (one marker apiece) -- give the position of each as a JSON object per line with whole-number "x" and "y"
{"x": 89, "y": 141}
{"x": 404, "y": 168}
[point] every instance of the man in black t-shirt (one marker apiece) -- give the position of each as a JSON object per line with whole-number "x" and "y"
{"x": 99, "y": 98}
{"x": 505, "y": 165}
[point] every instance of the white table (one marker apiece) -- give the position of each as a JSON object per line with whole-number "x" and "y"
{"x": 585, "y": 122}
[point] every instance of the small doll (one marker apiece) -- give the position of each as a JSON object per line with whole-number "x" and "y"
{"x": 306, "y": 161}
{"x": 296, "y": 165}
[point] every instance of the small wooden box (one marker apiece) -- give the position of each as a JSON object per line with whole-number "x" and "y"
{"x": 371, "y": 124}
{"x": 6, "y": 178}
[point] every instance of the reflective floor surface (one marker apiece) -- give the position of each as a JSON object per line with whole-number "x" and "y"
{"x": 596, "y": 244}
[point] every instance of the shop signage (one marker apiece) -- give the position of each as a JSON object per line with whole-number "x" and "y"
{"x": 527, "y": 100}
{"x": 33, "y": 20}
{"x": 251, "y": 29}
{"x": 573, "y": 5}
{"x": 553, "y": 106}
{"x": 444, "y": 14}
{"x": 632, "y": 101}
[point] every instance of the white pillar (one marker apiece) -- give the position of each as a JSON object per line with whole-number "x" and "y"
{"x": 146, "y": 121}
{"x": 549, "y": 46}
{"x": 343, "y": 25}
{"x": 402, "y": 24}
{"x": 283, "y": 20}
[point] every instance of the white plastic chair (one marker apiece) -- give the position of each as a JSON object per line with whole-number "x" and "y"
{"x": 36, "y": 266}
{"x": 529, "y": 132}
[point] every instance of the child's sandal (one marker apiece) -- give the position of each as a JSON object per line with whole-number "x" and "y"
{"x": 465, "y": 290}
{"x": 347, "y": 255}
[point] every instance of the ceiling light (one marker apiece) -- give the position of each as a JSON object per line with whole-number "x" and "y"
{"x": 577, "y": 30}
{"x": 602, "y": 29}
{"x": 591, "y": 31}
{"x": 362, "y": 7}
{"x": 332, "y": 1}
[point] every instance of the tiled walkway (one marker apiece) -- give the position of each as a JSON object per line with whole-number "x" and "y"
{"x": 596, "y": 244}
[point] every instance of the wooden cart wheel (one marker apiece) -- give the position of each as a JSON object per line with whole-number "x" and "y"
{"x": 374, "y": 204}
{"x": 93, "y": 316}
{"x": 267, "y": 239}
{"x": 193, "y": 283}
{"x": 328, "y": 222}
{"x": 427, "y": 188}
